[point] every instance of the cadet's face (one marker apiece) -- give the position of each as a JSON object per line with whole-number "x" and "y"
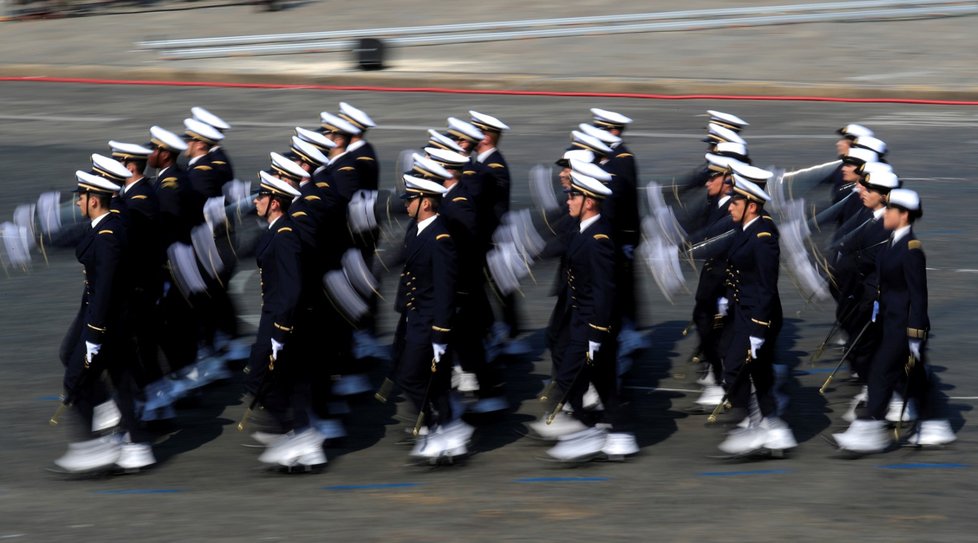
{"x": 737, "y": 208}
{"x": 894, "y": 218}
{"x": 849, "y": 174}
{"x": 565, "y": 178}
{"x": 82, "y": 202}
{"x": 871, "y": 198}
{"x": 412, "y": 205}
{"x": 262, "y": 201}
{"x": 714, "y": 185}
{"x": 575, "y": 204}
{"x": 842, "y": 145}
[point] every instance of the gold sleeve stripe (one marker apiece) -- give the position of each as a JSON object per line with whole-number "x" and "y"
{"x": 442, "y": 236}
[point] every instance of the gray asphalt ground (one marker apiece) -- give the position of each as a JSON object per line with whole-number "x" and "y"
{"x": 208, "y": 487}
{"x": 912, "y": 58}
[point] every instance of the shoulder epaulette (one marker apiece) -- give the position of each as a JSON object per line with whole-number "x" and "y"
{"x": 442, "y": 236}
{"x": 203, "y": 167}
{"x": 311, "y": 197}
{"x": 468, "y": 172}
{"x": 322, "y": 185}
{"x": 221, "y": 162}
{"x": 106, "y": 231}
{"x": 915, "y": 244}
{"x": 768, "y": 217}
{"x": 299, "y": 214}
{"x": 169, "y": 183}
{"x": 601, "y": 236}
{"x": 763, "y": 234}
{"x": 496, "y": 165}
{"x": 460, "y": 199}
{"x": 139, "y": 197}
{"x": 115, "y": 211}
{"x": 623, "y": 155}
{"x": 365, "y": 158}
{"x": 347, "y": 169}
{"x": 283, "y": 229}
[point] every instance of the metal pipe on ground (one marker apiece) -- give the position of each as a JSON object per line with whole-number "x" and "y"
{"x": 698, "y": 24}
{"x": 528, "y": 23}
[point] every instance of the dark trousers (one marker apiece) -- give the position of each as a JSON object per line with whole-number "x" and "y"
{"x": 471, "y": 329}
{"x": 178, "y": 333}
{"x": 283, "y": 386}
{"x": 145, "y": 325}
{"x": 87, "y": 387}
{"x": 574, "y": 372}
{"x": 428, "y": 391}
{"x": 887, "y": 373}
{"x": 740, "y": 371}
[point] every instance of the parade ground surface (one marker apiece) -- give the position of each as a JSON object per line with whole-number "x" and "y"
{"x": 207, "y": 486}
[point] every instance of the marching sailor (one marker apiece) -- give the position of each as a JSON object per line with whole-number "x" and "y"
{"x": 754, "y": 306}
{"x": 901, "y": 314}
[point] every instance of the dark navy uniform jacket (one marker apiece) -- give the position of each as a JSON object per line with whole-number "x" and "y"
{"x": 103, "y": 254}
{"x": 480, "y": 186}
{"x": 718, "y": 221}
{"x": 207, "y": 176}
{"x": 426, "y": 291}
{"x": 902, "y": 272}
{"x": 752, "y": 279}
{"x": 590, "y": 294}
{"x": 365, "y": 162}
{"x": 459, "y": 213}
{"x": 621, "y": 209}
{"x": 143, "y": 231}
{"x": 279, "y": 256}
{"x": 176, "y": 200}
{"x": 497, "y": 170}
{"x": 342, "y": 176}
{"x": 856, "y": 253}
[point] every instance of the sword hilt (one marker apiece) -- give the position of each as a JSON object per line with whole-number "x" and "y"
{"x": 384, "y": 391}
{"x": 417, "y": 425}
{"x": 57, "y": 414}
{"x": 244, "y": 419}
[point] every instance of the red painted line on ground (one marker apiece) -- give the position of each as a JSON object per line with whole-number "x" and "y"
{"x": 504, "y": 92}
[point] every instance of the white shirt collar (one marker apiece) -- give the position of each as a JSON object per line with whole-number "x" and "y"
{"x": 879, "y": 213}
{"x": 424, "y": 224}
{"x": 900, "y": 232}
{"x": 750, "y": 222}
{"x": 723, "y": 200}
{"x": 588, "y": 222}
{"x": 98, "y": 219}
{"x": 481, "y": 157}
{"x": 355, "y": 145}
{"x": 194, "y": 160}
{"x": 337, "y": 157}
{"x": 126, "y": 188}
{"x": 271, "y": 224}
{"x": 449, "y": 189}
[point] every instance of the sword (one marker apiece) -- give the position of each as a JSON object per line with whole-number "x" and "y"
{"x": 852, "y": 347}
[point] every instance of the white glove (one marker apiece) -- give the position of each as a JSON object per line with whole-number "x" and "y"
{"x": 723, "y": 305}
{"x": 592, "y": 349}
{"x": 439, "y": 350}
{"x": 755, "y": 345}
{"x": 876, "y": 310}
{"x": 91, "y": 350}
{"x": 276, "y": 348}
{"x": 915, "y": 348}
